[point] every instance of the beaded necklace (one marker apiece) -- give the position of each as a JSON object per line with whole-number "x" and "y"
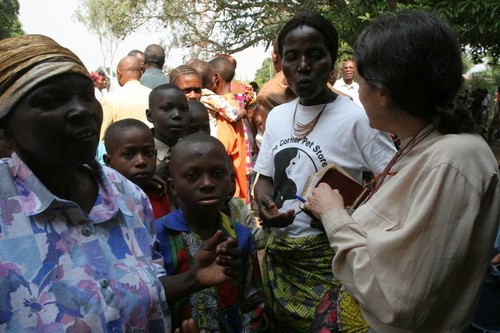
{"x": 300, "y": 130}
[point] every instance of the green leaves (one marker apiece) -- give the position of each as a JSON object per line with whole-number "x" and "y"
{"x": 213, "y": 26}
{"x": 10, "y": 26}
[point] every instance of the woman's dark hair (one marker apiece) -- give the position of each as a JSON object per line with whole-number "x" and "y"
{"x": 416, "y": 57}
{"x": 316, "y": 21}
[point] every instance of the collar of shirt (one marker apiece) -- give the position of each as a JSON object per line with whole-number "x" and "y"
{"x": 342, "y": 84}
{"x": 162, "y": 150}
{"x": 177, "y": 222}
{"x": 35, "y": 198}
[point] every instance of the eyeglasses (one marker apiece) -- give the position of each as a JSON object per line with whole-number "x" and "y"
{"x": 187, "y": 90}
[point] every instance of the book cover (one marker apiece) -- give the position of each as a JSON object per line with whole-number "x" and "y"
{"x": 332, "y": 174}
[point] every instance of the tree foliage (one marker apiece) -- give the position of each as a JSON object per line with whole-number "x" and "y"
{"x": 111, "y": 21}
{"x": 230, "y": 26}
{"x": 10, "y": 26}
{"x": 265, "y": 72}
{"x": 477, "y": 24}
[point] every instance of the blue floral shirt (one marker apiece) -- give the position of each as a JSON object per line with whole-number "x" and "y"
{"x": 62, "y": 270}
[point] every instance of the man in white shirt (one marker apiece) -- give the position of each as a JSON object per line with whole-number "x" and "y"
{"x": 346, "y": 83}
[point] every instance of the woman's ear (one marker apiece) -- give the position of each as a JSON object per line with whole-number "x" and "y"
{"x": 384, "y": 96}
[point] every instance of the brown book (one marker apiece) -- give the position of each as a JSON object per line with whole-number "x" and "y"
{"x": 332, "y": 174}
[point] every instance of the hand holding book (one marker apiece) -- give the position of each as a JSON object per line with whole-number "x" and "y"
{"x": 347, "y": 188}
{"x": 322, "y": 199}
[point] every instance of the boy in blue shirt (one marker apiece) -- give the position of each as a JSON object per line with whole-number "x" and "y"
{"x": 200, "y": 178}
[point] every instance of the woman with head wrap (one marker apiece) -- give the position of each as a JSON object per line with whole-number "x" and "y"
{"x": 99, "y": 79}
{"x": 76, "y": 238}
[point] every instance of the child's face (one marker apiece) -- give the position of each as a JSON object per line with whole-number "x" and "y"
{"x": 191, "y": 86}
{"x": 200, "y": 177}
{"x": 199, "y": 122}
{"x": 134, "y": 156}
{"x": 168, "y": 111}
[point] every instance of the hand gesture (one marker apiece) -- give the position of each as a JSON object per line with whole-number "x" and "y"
{"x": 270, "y": 215}
{"x": 218, "y": 260}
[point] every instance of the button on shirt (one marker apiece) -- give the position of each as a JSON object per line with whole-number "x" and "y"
{"x": 63, "y": 270}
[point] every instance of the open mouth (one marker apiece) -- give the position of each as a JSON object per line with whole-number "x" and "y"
{"x": 84, "y": 134}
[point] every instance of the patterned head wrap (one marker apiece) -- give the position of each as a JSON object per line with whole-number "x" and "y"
{"x": 96, "y": 75}
{"x": 26, "y": 61}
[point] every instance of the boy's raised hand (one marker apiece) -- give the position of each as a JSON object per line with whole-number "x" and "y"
{"x": 218, "y": 260}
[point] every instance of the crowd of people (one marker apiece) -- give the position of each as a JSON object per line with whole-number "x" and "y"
{"x": 484, "y": 110}
{"x": 175, "y": 202}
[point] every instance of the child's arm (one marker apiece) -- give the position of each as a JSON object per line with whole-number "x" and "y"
{"x": 217, "y": 261}
{"x": 224, "y": 109}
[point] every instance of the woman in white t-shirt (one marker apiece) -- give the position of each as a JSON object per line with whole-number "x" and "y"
{"x": 301, "y": 137}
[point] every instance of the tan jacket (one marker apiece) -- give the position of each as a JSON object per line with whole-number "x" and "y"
{"x": 415, "y": 254}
